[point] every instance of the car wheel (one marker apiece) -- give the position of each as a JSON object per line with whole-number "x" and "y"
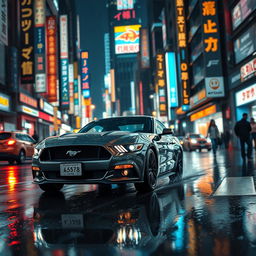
{"x": 150, "y": 174}
{"x": 53, "y": 187}
{"x": 22, "y": 157}
{"x": 179, "y": 170}
{"x": 11, "y": 161}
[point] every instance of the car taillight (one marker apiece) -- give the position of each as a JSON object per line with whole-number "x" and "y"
{"x": 11, "y": 142}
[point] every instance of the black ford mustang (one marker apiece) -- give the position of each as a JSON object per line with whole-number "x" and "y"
{"x": 136, "y": 149}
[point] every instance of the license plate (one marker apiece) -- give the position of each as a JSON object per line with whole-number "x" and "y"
{"x": 72, "y": 221}
{"x": 71, "y": 169}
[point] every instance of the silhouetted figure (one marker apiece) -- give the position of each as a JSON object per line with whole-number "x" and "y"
{"x": 35, "y": 137}
{"x": 213, "y": 134}
{"x": 242, "y": 130}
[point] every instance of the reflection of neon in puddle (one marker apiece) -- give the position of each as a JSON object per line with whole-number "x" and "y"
{"x": 12, "y": 179}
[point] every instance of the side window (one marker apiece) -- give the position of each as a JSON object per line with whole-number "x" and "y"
{"x": 96, "y": 128}
{"x": 159, "y": 127}
{"x": 19, "y": 136}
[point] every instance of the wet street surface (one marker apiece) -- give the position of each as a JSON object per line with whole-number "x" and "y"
{"x": 212, "y": 211}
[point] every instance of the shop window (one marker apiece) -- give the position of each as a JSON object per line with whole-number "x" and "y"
{"x": 196, "y": 46}
{"x": 2, "y": 64}
{"x": 198, "y": 70}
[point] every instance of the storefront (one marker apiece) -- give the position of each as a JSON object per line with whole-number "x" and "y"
{"x": 28, "y": 119}
{"x": 46, "y": 120}
{"x": 245, "y": 101}
{"x": 7, "y": 117}
{"x": 201, "y": 118}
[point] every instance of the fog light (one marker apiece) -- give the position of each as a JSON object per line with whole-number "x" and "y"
{"x": 123, "y": 166}
{"x": 37, "y": 173}
{"x": 125, "y": 172}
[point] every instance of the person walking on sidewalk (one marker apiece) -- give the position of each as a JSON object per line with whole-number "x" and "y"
{"x": 213, "y": 134}
{"x": 242, "y": 130}
{"x": 253, "y": 131}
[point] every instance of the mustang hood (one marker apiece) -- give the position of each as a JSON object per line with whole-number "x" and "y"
{"x": 102, "y": 138}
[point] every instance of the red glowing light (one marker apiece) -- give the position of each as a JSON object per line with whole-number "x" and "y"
{"x": 11, "y": 142}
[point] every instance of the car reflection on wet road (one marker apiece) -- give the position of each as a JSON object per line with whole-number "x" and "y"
{"x": 188, "y": 218}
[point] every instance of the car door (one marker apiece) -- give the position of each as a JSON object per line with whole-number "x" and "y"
{"x": 162, "y": 144}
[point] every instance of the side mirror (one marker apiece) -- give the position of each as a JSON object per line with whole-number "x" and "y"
{"x": 168, "y": 131}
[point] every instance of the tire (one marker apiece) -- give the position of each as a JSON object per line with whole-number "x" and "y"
{"x": 179, "y": 170}
{"x": 150, "y": 174}
{"x": 11, "y": 161}
{"x": 22, "y": 157}
{"x": 52, "y": 187}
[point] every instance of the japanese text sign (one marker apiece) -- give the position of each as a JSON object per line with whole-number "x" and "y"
{"x": 144, "y": 48}
{"x": 27, "y": 41}
{"x": 40, "y": 46}
{"x": 246, "y": 95}
{"x": 84, "y": 73}
{"x": 64, "y": 92}
{"x": 125, "y": 4}
{"x": 127, "y": 39}
{"x": 212, "y": 53}
{"x": 160, "y": 79}
{"x": 182, "y": 45}
{"x": 51, "y": 27}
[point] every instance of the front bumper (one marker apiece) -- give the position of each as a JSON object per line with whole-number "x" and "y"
{"x": 93, "y": 172}
{"x": 201, "y": 146}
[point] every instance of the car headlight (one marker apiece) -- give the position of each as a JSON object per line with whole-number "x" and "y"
{"x": 208, "y": 140}
{"x": 193, "y": 141}
{"x": 128, "y": 148}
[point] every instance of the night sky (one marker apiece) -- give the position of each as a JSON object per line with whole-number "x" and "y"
{"x": 93, "y": 25}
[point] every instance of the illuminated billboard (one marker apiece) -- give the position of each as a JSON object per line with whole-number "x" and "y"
{"x": 127, "y": 39}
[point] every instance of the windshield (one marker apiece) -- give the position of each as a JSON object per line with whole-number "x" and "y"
{"x": 131, "y": 124}
{"x": 196, "y": 136}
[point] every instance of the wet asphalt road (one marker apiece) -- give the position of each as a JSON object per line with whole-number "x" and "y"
{"x": 177, "y": 219}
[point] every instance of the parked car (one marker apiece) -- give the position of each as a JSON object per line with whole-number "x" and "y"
{"x": 135, "y": 149}
{"x": 16, "y": 146}
{"x": 194, "y": 141}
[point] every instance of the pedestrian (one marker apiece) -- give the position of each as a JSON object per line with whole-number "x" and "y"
{"x": 213, "y": 134}
{"x": 253, "y": 131}
{"x": 242, "y": 131}
{"x": 35, "y": 137}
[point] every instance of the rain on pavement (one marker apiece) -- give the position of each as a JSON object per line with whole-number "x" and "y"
{"x": 202, "y": 215}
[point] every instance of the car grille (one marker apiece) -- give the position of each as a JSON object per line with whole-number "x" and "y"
{"x": 85, "y": 153}
{"x": 201, "y": 141}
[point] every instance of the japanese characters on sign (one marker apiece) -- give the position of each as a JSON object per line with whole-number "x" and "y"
{"x": 125, "y": 15}
{"x": 246, "y": 95}
{"x": 51, "y": 28}
{"x": 64, "y": 62}
{"x": 171, "y": 79}
{"x": 161, "y": 84}
{"x": 144, "y": 48}
{"x": 27, "y": 41}
{"x": 214, "y": 82}
{"x": 125, "y": 4}
{"x": 71, "y": 88}
{"x": 127, "y": 39}
{"x": 40, "y": 46}
{"x": 182, "y": 45}
{"x": 3, "y": 22}
{"x": 248, "y": 70}
{"x": 84, "y": 73}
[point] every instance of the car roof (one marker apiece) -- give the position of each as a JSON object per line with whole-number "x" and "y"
{"x": 138, "y": 116}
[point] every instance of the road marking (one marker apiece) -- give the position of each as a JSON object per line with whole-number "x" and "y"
{"x": 236, "y": 186}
